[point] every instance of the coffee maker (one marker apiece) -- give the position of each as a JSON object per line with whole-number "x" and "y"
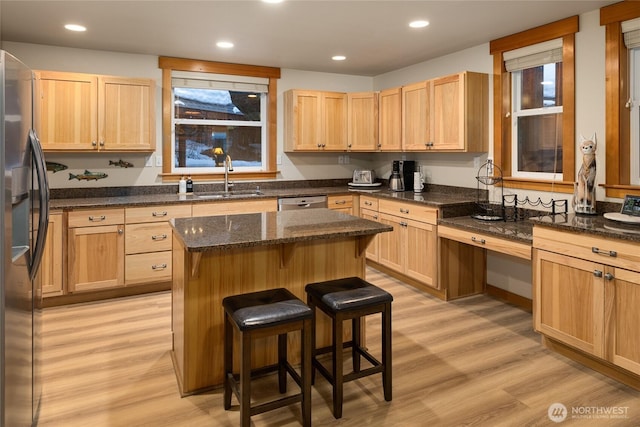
{"x": 396, "y": 180}
{"x": 401, "y": 178}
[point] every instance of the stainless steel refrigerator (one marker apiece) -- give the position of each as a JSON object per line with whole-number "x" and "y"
{"x": 24, "y": 218}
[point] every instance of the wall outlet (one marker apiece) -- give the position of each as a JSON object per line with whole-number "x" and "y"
{"x": 346, "y": 160}
{"x": 476, "y": 162}
{"x": 149, "y": 162}
{"x": 279, "y": 159}
{"x": 159, "y": 161}
{"x": 340, "y": 160}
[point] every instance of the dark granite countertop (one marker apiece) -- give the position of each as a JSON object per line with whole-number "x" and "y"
{"x": 521, "y": 231}
{"x": 596, "y": 225}
{"x": 201, "y": 234}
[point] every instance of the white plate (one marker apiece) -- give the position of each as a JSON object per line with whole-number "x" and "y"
{"x": 617, "y": 216}
{"x": 359, "y": 184}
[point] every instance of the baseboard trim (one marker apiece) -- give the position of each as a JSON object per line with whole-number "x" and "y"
{"x": 509, "y": 297}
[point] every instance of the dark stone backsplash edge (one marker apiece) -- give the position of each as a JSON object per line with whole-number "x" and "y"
{"x": 75, "y": 193}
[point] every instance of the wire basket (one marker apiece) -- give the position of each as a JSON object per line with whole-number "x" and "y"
{"x": 488, "y": 175}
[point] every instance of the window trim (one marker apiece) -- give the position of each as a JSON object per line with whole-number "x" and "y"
{"x": 502, "y": 99}
{"x": 618, "y": 121}
{"x": 169, "y": 64}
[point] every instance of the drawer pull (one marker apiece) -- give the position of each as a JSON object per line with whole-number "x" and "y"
{"x": 612, "y": 254}
{"x": 159, "y": 214}
{"x": 375, "y": 217}
{"x": 159, "y": 237}
{"x": 159, "y": 266}
{"x": 476, "y": 240}
{"x": 404, "y": 211}
{"x": 597, "y": 273}
{"x": 97, "y": 218}
{"x": 609, "y": 276}
{"x": 340, "y": 202}
{"x": 367, "y": 203}
{"x": 403, "y": 224}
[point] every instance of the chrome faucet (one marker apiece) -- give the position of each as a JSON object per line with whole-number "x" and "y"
{"x": 228, "y": 167}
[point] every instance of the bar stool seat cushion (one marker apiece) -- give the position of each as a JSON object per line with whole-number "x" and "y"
{"x": 265, "y": 309}
{"x": 347, "y": 294}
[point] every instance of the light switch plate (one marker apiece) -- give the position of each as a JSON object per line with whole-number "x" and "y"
{"x": 158, "y": 161}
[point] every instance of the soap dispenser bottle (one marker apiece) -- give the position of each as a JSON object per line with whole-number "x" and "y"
{"x": 189, "y": 185}
{"x": 182, "y": 185}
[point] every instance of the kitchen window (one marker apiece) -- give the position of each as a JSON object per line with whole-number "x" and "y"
{"x": 215, "y": 116}
{"x": 536, "y": 116}
{"x": 211, "y": 110}
{"x": 534, "y": 107}
{"x": 620, "y": 73}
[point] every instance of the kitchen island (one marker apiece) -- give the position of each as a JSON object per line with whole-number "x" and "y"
{"x": 218, "y": 256}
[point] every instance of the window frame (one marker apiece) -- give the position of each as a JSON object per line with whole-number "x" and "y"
{"x": 502, "y": 99}
{"x": 618, "y": 121}
{"x": 169, "y": 64}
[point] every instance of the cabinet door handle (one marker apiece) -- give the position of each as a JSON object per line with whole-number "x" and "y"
{"x": 340, "y": 202}
{"x": 159, "y": 237}
{"x": 375, "y": 217}
{"x": 612, "y": 254}
{"x": 476, "y": 240}
{"x": 404, "y": 211}
{"x": 120, "y": 231}
{"x": 597, "y": 273}
{"x": 609, "y": 276}
{"x": 159, "y": 266}
{"x": 366, "y": 203}
{"x": 403, "y": 224}
{"x": 97, "y": 218}
{"x": 159, "y": 214}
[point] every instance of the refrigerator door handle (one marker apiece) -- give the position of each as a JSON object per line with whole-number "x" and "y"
{"x": 43, "y": 192}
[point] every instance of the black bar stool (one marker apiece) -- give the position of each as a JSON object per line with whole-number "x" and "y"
{"x": 260, "y": 314}
{"x": 344, "y": 299}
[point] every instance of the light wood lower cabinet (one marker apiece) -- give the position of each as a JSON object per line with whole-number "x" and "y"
{"x": 51, "y": 272}
{"x": 587, "y": 294}
{"x": 235, "y": 207}
{"x": 95, "y": 249}
{"x": 411, "y": 248}
{"x": 373, "y": 250}
{"x": 341, "y": 203}
{"x": 148, "y": 242}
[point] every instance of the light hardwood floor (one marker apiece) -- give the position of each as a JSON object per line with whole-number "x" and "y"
{"x": 472, "y": 362}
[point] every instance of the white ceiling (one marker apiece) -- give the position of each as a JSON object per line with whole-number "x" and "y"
{"x": 297, "y": 34}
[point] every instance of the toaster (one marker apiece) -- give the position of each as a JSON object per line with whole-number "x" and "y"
{"x": 364, "y": 176}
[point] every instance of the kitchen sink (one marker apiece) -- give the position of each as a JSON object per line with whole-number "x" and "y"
{"x": 229, "y": 194}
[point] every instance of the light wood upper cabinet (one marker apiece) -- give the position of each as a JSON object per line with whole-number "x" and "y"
{"x": 446, "y": 114}
{"x": 315, "y": 120}
{"x": 390, "y": 119}
{"x": 459, "y": 112}
{"x": 362, "y": 121}
{"x": 67, "y": 110}
{"x": 416, "y": 118}
{"x": 85, "y": 112}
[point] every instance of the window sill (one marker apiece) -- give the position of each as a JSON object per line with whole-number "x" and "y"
{"x": 619, "y": 191}
{"x": 538, "y": 185}
{"x": 235, "y": 176}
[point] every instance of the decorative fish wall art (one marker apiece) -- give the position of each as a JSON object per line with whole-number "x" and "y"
{"x": 87, "y": 176}
{"x": 55, "y": 167}
{"x": 121, "y": 163}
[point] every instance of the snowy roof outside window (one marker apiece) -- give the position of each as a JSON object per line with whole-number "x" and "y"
{"x": 206, "y": 99}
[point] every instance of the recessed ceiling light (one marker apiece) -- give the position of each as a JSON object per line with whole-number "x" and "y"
{"x": 338, "y": 57}
{"x": 418, "y": 24}
{"x": 75, "y": 27}
{"x": 224, "y": 45}
{"x": 272, "y": 1}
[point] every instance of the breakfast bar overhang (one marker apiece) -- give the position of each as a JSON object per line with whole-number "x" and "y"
{"x": 218, "y": 256}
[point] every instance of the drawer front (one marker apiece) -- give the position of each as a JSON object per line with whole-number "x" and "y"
{"x": 368, "y": 213}
{"x": 617, "y": 253}
{"x": 367, "y": 202}
{"x": 339, "y": 202}
{"x": 95, "y": 217}
{"x": 157, "y": 213}
{"x": 147, "y": 268}
{"x": 151, "y": 237}
{"x": 486, "y": 241}
{"x": 235, "y": 207}
{"x": 409, "y": 210}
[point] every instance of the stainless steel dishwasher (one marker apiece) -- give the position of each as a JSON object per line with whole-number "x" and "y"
{"x": 293, "y": 203}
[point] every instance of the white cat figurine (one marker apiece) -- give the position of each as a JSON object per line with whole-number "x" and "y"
{"x": 584, "y": 197}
